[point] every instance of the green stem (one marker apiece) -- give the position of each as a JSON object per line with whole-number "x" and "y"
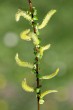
{"x": 36, "y": 58}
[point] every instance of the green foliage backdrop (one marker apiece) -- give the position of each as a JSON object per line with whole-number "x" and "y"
{"x": 58, "y": 32}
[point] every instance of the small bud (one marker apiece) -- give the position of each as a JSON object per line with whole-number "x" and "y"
{"x": 37, "y": 90}
{"x": 50, "y": 76}
{"x": 26, "y": 87}
{"x": 41, "y": 101}
{"x": 21, "y": 63}
{"x": 46, "y": 19}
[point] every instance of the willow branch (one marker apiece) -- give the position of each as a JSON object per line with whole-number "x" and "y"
{"x": 36, "y": 59}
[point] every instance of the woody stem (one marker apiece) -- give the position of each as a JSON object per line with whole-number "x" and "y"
{"x": 36, "y": 58}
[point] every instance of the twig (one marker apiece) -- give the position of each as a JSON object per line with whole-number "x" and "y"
{"x": 36, "y": 59}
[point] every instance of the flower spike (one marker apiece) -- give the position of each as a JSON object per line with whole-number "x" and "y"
{"x": 50, "y": 76}
{"x": 45, "y": 47}
{"x": 21, "y": 63}
{"x": 47, "y": 92}
{"x": 41, "y": 101}
{"x": 26, "y": 87}
{"x": 42, "y": 49}
{"x": 24, "y": 14}
{"x": 27, "y": 35}
{"x": 24, "y": 35}
{"x": 35, "y": 39}
{"x": 46, "y": 19}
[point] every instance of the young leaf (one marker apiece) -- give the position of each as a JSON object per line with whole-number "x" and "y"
{"x": 47, "y": 92}
{"x": 34, "y": 11}
{"x": 46, "y": 19}
{"x": 24, "y": 14}
{"x": 24, "y": 35}
{"x": 26, "y": 87}
{"x": 37, "y": 90}
{"x": 35, "y": 18}
{"x": 50, "y": 76}
{"x": 21, "y": 63}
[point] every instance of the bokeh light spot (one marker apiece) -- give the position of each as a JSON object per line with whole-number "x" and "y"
{"x": 10, "y": 39}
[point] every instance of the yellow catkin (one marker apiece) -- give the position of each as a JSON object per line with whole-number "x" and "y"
{"x": 42, "y": 49}
{"x": 26, "y": 87}
{"x": 24, "y": 14}
{"x": 21, "y": 63}
{"x": 46, "y": 47}
{"x": 51, "y": 76}
{"x": 47, "y": 92}
{"x": 24, "y": 35}
{"x": 46, "y": 19}
{"x": 34, "y": 38}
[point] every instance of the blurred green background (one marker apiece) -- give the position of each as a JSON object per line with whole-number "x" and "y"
{"x": 58, "y": 32}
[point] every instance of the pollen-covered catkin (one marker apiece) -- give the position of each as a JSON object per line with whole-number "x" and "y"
{"x": 23, "y": 14}
{"x": 46, "y": 19}
{"x": 22, "y": 63}
{"x": 27, "y": 87}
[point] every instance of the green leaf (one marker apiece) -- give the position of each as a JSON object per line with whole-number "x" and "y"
{"x": 37, "y": 90}
{"x": 35, "y": 18}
